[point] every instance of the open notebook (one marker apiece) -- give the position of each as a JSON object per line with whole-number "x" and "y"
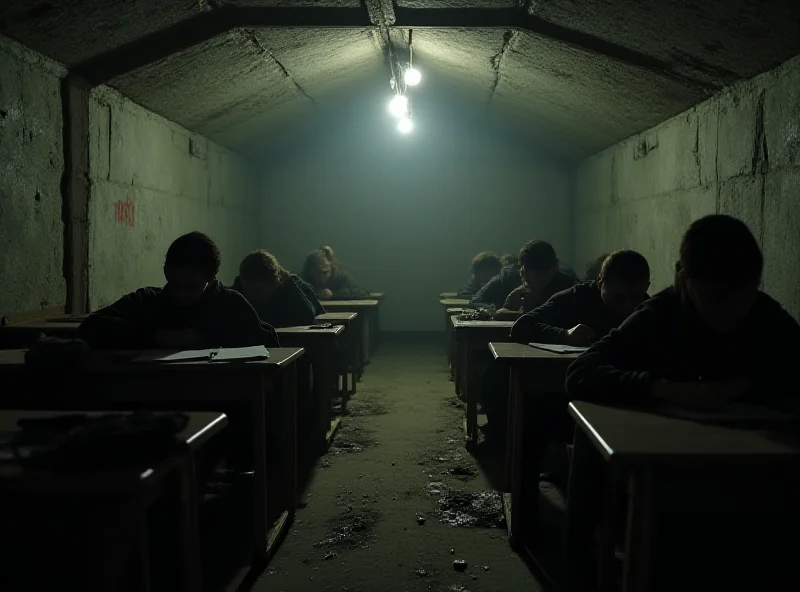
{"x": 559, "y": 349}
{"x": 231, "y": 354}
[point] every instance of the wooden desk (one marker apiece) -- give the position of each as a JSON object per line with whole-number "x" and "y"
{"x": 368, "y": 311}
{"x": 110, "y": 381}
{"x": 473, "y": 337}
{"x": 454, "y": 302}
{"x": 450, "y": 344}
{"x": 22, "y": 335}
{"x": 351, "y": 341}
{"x": 376, "y": 321}
{"x": 445, "y": 295}
{"x": 532, "y": 371}
{"x": 128, "y": 492}
{"x": 638, "y": 447}
{"x": 322, "y": 346}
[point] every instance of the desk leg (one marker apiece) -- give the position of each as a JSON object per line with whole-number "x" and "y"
{"x": 289, "y": 406}
{"x": 461, "y": 364}
{"x": 189, "y": 525}
{"x": 513, "y": 395}
{"x": 581, "y": 507}
{"x": 260, "y": 523}
{"x": 639, "y": 532}
{"x": 473, "y": 388}
{"x": 376, "y": 327}
{"x": 516, "y": 425}
{"x": 366, "y": 331}
{"x": 326, "y": 377}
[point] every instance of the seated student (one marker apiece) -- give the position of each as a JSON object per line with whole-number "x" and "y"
{"x": 540, "y": 278}
{"x": 193, "y": 311}
{"x": 710, "y": 338}
{"x": 589, "y": 310}
{"x": 593, "y": 268}
{"x": 329, "y": 279}
{"x": 485, "y": 266}
{"x": 275, "y": 293}
{"x": 509, "y": 260}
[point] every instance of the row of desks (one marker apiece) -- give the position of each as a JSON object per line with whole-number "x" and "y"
{"x": 636, "y": 446}
{"x": 258, "y": 397}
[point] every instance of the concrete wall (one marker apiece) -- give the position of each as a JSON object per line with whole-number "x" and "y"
{"x": 407, "y": 214}
{"x": 738, "y": 153}
{"x": 152, "y": 181}
{"x": 31, "y": 166}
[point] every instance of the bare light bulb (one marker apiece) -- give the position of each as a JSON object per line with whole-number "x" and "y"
{"x": 412, "y": 77}
{"x": 398, "y": 106}
{"x": 405, "y": 125}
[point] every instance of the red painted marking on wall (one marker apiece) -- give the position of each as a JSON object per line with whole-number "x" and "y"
{"x": 125, "y": 212}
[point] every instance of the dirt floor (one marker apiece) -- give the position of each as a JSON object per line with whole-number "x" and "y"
{"x": 398, "y": 499}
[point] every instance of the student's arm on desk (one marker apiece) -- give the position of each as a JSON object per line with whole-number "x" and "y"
{"x": 545, "y": 323}
{"x": 345, "y": 287}
{"x": 601, "y": 374}
{"x": 126, "y": 324}
{"x": 493, "y": 293}
{"x": 243, "y": 327}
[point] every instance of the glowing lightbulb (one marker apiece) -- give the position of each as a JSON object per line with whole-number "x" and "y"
{"x": 405, "y": 125}
{"x": 398, "y": 106}
{"x": 412, "y": 77}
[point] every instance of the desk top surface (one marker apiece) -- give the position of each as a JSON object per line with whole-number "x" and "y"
{"x": 512, "y": 352}
{"x": 202, "y": 425}
{"x": 119, "y": 361}
{"x": 337, "y": 316}
{"x": 307, "y": 330}
{"x": 454, "y": 302}
{"x": 366, "y": 303}
{"x": 458, "y": 324}
{"x": 635, "y": 437}
{"x": 447, "y": 295}
{"x": 377, "y": 295}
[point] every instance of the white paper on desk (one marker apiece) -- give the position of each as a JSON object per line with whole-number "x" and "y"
{"x": 732, "y": 412}
{"x": 231, "y": 354}
{"x": 559, "y": 349}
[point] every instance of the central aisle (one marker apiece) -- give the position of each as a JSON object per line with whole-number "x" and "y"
{"x": 398, "y": 461}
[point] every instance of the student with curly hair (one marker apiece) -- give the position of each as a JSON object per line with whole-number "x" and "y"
{"x": 329, "y": 279}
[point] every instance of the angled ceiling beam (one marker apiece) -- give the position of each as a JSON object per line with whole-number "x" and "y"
{"x": 207, "y": 25}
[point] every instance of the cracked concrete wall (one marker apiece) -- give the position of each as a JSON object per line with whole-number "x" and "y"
{"x": 151, "y": 181}
{"x": 31, "y": 166}
{"x": 406, "y": 214}
{"x": 738, "y": 153}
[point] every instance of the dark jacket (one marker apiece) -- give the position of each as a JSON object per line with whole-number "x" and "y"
{"x": 526, "y": 299}
{"x": 500, "y": 287}
{"x": 663, "y": 339}
{"x": 469, "y": 289}
{"x": 579, "y": 305}
{"x": 222, "y": 316}
{"x": 342, "y": 285}
{"x": 310, "y": 294}
{"x": 288, "y": 307}
{"x": 497, "y": 290}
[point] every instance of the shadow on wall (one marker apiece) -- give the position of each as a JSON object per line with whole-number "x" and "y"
{"x": 406, "y": 213}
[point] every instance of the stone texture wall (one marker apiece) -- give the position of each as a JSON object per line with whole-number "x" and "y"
{"x": 737, "y": 153}
{"x": 31, "y": 166}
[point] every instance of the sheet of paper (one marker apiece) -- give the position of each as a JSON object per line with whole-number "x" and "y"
{"x": 559, "y": 349}
{"x": 166, "y": 356}
{"x": 230, "y": 354}
{"x": 257, "y": 352}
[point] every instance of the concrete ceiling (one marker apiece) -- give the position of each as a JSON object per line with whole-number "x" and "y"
{"x": 593, "y": 71}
